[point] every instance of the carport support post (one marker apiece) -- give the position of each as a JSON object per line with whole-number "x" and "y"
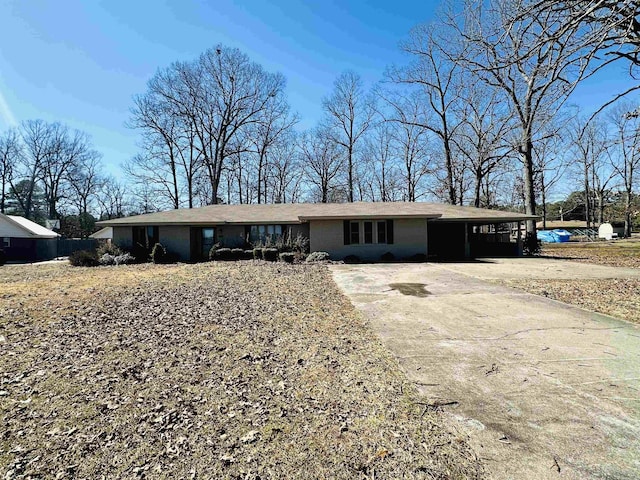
{"x": 519, "y": 239}
{"x": 467, "y": 245}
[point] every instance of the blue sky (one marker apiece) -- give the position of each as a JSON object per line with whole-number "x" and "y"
{"x": 80, "y": 62}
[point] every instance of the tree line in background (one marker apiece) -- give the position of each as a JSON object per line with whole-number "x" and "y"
{"x": 478, "y": 115}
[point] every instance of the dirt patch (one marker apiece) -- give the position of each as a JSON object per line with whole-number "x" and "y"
{"x": 413, "y": 289}
{"x": 239, "y": 370}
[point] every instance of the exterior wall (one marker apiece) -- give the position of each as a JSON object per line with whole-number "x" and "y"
{"x": 175, "y": 239}
{"x": 122, "y": 237}
{"x": 410, "y": 238}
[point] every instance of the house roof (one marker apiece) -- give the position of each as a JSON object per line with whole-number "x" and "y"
{"x": 106, "y": 232}
{"x": 24, "y": 228}
{"x": 283, "y": 213}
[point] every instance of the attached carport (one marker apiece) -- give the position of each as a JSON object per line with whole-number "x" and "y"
{"x": 451, "y": 237}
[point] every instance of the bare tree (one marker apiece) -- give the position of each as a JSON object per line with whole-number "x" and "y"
{"x": 10, "y": 152}
{"x": 627, "y": 131}
{"x": 112, "y": 199}
{"x": 436, "y": 78}
{"x": 591, "y": 148}
{"x": 86, "y": 181}
{"x": 322, "y": 160}
{"x": 536, "y": 61}
{"x": 286, "y": 172}
{"x": 349, "y": 115}
{"x": 379, "y": 148}
{"x": 483, "y": 138}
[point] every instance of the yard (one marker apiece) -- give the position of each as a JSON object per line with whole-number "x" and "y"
{"x": 217, "y": 370}
{"x": 619, "y": 297}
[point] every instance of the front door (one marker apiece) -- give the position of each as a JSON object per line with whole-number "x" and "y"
{"x": 202, "y": 239}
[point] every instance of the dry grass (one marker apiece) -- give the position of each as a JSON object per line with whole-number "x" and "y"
{"x": 618, "y": 253}
{"x": 243, "y": 370}
{"x": 616, "y": 297}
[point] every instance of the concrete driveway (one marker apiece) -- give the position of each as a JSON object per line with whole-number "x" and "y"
{"x": 543, "y": 389}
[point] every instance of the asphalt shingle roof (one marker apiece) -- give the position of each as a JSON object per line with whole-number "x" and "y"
{"x": 300, "y": 212}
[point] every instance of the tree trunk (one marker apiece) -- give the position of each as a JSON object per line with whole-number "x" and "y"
{"x": 526, "y": 152}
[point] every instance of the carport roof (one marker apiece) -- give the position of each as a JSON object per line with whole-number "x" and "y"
{"x": 301, "y": 212}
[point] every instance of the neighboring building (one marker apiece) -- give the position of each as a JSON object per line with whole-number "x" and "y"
{"x": 367, "y": 230}
{"x": 24, "y": 240}
{"x": 105, "y": 234}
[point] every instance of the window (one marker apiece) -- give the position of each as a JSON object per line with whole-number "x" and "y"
{"x": 207, "y": 241}
{"x": 355, "y": 232}
{"x": 6, "y": 242}
{"x": 368, "y": 232}
{"x": 145, "y": 237}
{"x": 382, "y": 231}
{"x": 372, "y": 231}
{"x": 260, "y": 233}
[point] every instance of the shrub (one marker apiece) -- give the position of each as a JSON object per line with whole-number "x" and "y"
{"x": 107, "y": 259}
{"x": 270, "y": 254}
{"x": 388, "y": 257}
{"x": 288, "y": 243}
{"x": 3, "y": 257}
{"x": 531, "y": 244}
{"x": 108, "y": 248}
{"x": 317, "y": 257}
{"x": 223, "y": 254}
{"x": 248, "y": 255}
{"x": 351, "y": 259}
{"x": 124, "y": 259}
{"x": 257, "y": 253}
{"x": 212, "y": 251}
{"x": 84, "y": 258}
{"x": 417, "y": 258}
{"x": 237, "y": 253}
{"x": 288, "y": 257}
{"x": 158, "y": 254}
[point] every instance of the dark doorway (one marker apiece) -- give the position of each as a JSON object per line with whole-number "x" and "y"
{"x": 446, "y": 241}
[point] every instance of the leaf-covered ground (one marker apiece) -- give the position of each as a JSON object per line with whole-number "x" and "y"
{"x": 616, "y": 297}
{"x": 238, "y": 370}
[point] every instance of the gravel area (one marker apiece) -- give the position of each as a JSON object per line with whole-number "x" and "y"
{"x": 238, "y": 370}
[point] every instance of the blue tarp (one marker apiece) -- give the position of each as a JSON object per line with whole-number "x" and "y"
{"x": 554, "y": 236}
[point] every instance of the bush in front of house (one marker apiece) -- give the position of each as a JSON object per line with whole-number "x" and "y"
{"x": 388, "y": 257}
{"x": 237, "y": 253}
{"x": 257, "y": 253}
{"x": 108, "y": 248}
{"x": 318, "y": 257}
{"x": 3, "y": 257}
{"x": 223, "y": 254}
{"x": 124, "y": 259}
{"x": 106, "y": 259}
{"x": 351, "y": 259}
{"x": 417, "y": 258}
{"x": 248, "y": 255}
{"x": 84, "y": 258}
{"x": 158, "y": 254}
{"x": 270, "y": 254}
{"x": 287, "y": 257}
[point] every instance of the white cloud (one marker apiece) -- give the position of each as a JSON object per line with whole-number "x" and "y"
{"x": 6, "y": 114}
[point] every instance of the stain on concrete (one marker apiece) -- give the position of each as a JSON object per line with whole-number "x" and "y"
{"x": 412, "y": 289}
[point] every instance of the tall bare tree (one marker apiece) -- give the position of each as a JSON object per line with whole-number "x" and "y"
{"x": 10, "y": 152}
{"x": 436, "y": 78}
{"x": 536, "y": 61}
{"x": 627, "y": 160}
{"x": 349, "y": 115}
{"x": 322, "y": 160}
